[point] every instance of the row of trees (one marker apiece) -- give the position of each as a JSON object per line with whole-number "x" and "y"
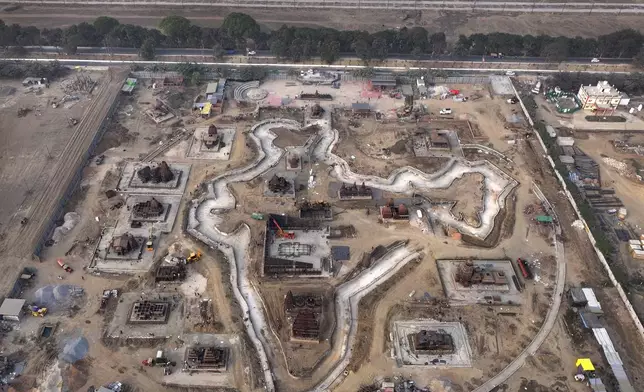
{"x": 240, "y": 31}
{"x": 621, "y": 44}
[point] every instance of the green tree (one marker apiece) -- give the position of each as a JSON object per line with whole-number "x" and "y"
{"x": 380, "y": 48}
{"x": 105, "y": 24}
{"x": 148, "y": 49}
{"x": 239, "y": 25}
{"x": 638, "y": 60}
{"x": 175, "y": 27}
{"x": 556, "y": 51}
{"x": 195, "y": 78}
{"x": 330, "y": 51}
{"x": 71, "y": 44}
{"x": 218, "y": 51}
{"x": 362, "y": 49}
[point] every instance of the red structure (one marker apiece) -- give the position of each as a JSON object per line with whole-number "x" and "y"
{"x": 390, "y": 211}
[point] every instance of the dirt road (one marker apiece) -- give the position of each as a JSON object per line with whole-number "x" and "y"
{"x": 73, "y": 156}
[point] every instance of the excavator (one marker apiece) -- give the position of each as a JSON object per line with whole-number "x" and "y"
{"x": 194, "y": 256}
{"x": 281, "y": 233}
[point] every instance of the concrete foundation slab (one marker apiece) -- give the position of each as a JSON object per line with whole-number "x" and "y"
{"x": 309, "y": 246}
{"x": 121, "y": 326}
{"x": 197, "y": 149}
{"x": 407, "y": 356}
{"x": 488, "y": 294}
{"x": 130, "y": 182}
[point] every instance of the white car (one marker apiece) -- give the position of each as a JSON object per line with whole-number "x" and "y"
{"x": 594, "y": 60}
{"x": 251, "y": 53}
{"x": 510, "y": 73}
{"x": 445, "y": 111}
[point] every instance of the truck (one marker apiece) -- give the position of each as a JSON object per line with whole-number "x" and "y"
{"x": 496, "y": 55}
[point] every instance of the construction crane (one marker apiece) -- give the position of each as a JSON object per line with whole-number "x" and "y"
{"x": 281, "y": 233}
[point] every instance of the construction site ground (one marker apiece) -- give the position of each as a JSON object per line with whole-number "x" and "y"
{"x": 495, "y": 337}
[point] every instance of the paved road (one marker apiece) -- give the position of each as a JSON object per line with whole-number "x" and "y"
{"x": 265, "y": 54}
{"x": 462, "y": 6}
{"x": 337, "y": 68}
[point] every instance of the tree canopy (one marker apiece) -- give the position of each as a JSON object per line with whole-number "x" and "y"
{"x": 240, "y": 31}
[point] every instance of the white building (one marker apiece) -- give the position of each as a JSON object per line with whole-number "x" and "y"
{"x": 602, "y": 97}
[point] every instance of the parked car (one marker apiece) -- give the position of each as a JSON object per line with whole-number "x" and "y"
{"x": 445, "y": 111}
{"x": 510, "y": 73}
{"x": 594, "y": 60}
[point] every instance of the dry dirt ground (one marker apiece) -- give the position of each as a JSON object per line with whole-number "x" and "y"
{"x": 31, "y": 146}
{"x": 453, "y": 24}
{"x": 494, "y": 339}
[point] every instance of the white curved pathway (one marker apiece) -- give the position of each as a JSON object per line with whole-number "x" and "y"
{"x": 205, "y": 215}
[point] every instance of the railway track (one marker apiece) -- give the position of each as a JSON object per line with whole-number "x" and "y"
{"x": 74, "y": 154}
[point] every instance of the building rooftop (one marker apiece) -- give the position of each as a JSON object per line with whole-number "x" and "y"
{"x": 603, "y": 88}
{"x": 11, "y": 307}
{"x": 407, "y": 91}
{"x": 383, "y": 80}
{"x": 360, "y": 106}
{"x": 212, "y": 88}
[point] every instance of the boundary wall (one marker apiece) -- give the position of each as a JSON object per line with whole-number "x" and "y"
{"x": 600, "y": 255}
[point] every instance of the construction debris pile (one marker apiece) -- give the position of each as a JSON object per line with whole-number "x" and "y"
{"x": 148, "y": 209}
{"x": 354, "y": 192}
{"x": 160, "y": 112}
{"x": 317, "y": 96}
{"x": 317, "y": 111}
{"x": 304, "y": 313}
{"x": 279, "y": 184}
{"x": 319, "y": 210}
{"x": 124, "y": 244}
{"x": 205, "y": 359}
{"x": 468, "y": 274}
{"x": 160, "y": 173}
{"x": 81, "y": 83}
{"x": 432, "y": 342}
{"x": 294, "y": 161}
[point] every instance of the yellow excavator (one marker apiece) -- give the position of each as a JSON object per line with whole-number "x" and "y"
{"x": 194, "y": 256}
